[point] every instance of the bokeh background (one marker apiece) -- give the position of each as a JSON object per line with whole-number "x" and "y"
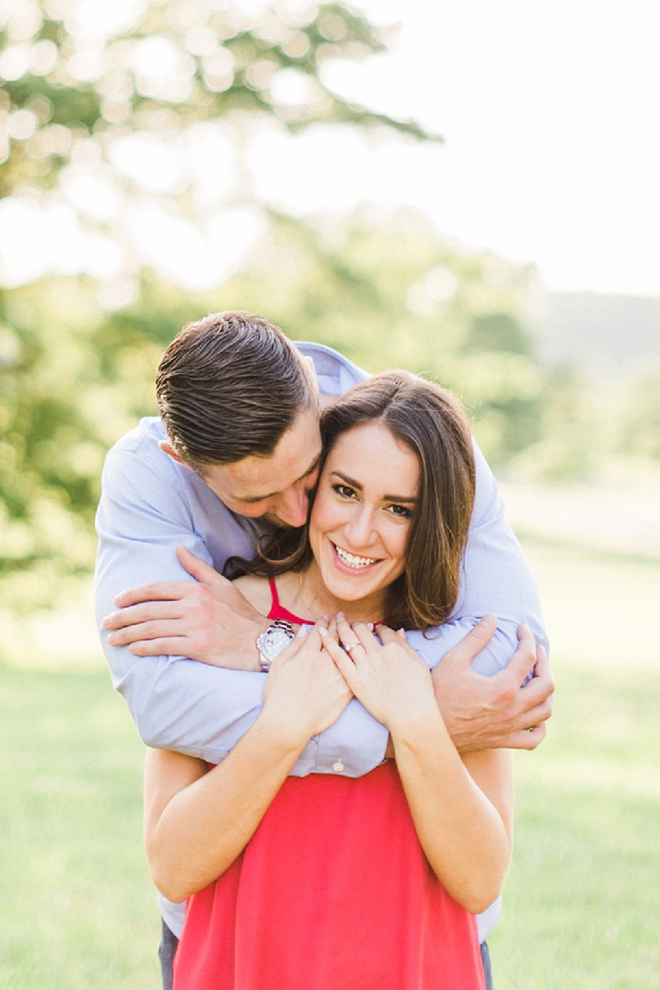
{"x": 467, "y": 192}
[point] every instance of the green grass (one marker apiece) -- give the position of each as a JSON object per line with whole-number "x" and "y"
{"x": 582, "y": 900}
{"x": 582, "y": 903}
{"x": 78, "y": 908}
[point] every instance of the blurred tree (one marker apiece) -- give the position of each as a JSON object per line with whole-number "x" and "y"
{"x": 570, "y": 439}
{"x": 78, "y": 79}
{"x": 77, "y": 359}
{"x": 638, "y": 430}
{"x": 76, "y": 70}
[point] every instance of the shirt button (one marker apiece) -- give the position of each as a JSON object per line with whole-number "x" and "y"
{"x": 338, "y": 767}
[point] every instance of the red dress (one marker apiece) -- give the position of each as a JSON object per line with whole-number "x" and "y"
{"x": 333, "y": 892}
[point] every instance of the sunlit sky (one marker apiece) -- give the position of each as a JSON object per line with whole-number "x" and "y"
{"x": 551, "y": 120}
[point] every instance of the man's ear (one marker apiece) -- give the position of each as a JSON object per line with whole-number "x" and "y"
{"x": 168, "y": 449}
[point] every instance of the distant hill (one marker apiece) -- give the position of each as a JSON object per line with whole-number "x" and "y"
{"x": 609, "y": 336}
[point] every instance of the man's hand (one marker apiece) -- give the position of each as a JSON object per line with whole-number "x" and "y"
{"x": 207, "y": 619}
{"x": 494, "y": 712}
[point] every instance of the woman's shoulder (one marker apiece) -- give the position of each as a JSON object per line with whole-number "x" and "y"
{"x": 257, "y": 591}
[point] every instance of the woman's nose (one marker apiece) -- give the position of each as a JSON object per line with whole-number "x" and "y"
{"x": 361, "y": 529}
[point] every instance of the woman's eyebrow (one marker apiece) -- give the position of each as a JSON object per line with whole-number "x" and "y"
{"x": 386, "y": 498}
{"x": 349, "y": 481}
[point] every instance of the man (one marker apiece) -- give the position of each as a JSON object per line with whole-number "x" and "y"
{"x": 234, "y": 453}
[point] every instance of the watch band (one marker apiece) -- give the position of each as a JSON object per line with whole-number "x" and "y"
{"x": 273, "y": 641}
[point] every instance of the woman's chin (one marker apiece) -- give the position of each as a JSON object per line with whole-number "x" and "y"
{"x": 352, "y": 587}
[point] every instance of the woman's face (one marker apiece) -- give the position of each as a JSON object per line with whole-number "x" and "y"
{"x": 361, "y": 516}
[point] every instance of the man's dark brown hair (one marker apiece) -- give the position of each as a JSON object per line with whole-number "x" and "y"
{"x": 229, "y": 386}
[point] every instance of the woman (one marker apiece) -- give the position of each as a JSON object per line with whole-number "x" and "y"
{"x": 326, "y": 883}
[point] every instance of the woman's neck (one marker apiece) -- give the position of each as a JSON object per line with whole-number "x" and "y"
{"x": 306, "y": 595}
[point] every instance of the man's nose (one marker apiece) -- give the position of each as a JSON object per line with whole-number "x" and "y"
{"x": 293, "y": 505}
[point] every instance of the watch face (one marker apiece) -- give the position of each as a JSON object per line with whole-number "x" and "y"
{"x": 273, "y": 641}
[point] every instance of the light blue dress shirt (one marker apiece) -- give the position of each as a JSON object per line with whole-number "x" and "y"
{"x": 150, "y": 504}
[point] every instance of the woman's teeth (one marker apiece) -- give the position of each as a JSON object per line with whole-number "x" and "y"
{"x": 352, "y": 561}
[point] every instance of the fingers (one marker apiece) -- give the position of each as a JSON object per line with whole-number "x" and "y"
{"x": 524, "y": 659}
{"x": 341, "y": 658}
{"x": 152, "y": 592}
{"x": 542, "y": 670}
{"x": 536, "y": 701}
{"x": 140, "y": 614}
{"x": 535, "y": 716}
{"x": 331, "y": 626}
{"x": 346, "y": 639}
{"x": 173, "y": 646}
{"x": 331, "y": 645}
{"x": 542, "y": 685}
{"x": 352, "y": 634}
{"x": 528, "y": 738}
{"x": 364, "y": 630}
{"x": 480, "y": 636}
{"x": 538, "y": 694}
{"x": 306, "y": 638}
{"x": 387, "y": 636}
{"x": 172, "y": 590}
{"x": 135, "y": 632}
{"x": 198, "y": 568}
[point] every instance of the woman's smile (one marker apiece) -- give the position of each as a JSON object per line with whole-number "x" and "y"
{"x": 352, "y": 561}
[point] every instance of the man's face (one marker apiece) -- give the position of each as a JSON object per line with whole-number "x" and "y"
{"x": 275, "y": 488}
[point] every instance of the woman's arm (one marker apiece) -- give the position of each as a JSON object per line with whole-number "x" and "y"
{"x": 462, "y": 808}
{"x": 197, "y": 823}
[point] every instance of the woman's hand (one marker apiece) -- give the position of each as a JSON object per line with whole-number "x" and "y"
{"x": 305, "y": 691}
{"x": 389, "y": 678}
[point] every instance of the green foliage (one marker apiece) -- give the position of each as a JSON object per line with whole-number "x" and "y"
{"x": 568, "y": 441}
{"x": 72, "y": 380}
{"x": 383, "y": 288}
{"x": 639, "y": 427}
{"x": 72, "y": 376}
{"x": 66, "y": 83}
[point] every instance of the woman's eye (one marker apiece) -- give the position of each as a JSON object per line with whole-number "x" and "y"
{"x": 344, "y": 491}
{"x": 401, "y": 511}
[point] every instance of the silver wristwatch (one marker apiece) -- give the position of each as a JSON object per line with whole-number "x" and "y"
{"x": 271, "y": 642}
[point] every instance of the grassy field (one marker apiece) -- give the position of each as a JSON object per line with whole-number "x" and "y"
{"x": 583, "y": 897}
{"x": 78, "y": 907}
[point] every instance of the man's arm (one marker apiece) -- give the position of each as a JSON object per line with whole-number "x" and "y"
{"x": 148, "y": 507}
